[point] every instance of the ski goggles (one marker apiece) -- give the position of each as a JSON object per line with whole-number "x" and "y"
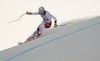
{"x": 41, "y": 11}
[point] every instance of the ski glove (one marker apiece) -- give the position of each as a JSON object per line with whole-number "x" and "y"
{"x": 27, "y": 13}
{"x": 55, "y": 25}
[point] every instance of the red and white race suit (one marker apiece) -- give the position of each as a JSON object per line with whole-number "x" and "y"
{"x": 46, "y": 23}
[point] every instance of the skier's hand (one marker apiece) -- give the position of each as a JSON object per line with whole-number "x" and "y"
{"x": 27, "y": 13}
{"x": 55, "y": 25}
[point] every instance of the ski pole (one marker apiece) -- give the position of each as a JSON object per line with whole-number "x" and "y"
{"x": 66, "y": 24}
{"x": 18, "y": 18}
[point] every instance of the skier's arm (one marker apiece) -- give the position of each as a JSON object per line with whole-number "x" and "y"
{"x": 32, "y": 13}
{"x": 55, "y": 20}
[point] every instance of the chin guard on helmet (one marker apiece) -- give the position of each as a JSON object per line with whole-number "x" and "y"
{"x": 41, "y": 9}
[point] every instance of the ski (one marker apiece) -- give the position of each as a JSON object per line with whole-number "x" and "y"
{"x": 19, "y": 43}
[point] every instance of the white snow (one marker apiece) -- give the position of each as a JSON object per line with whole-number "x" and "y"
{"x": 79, "y": 42}
{"x": 63, "y": 10}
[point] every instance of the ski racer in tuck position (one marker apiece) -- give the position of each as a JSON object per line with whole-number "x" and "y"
{"x": 46, "y": 23}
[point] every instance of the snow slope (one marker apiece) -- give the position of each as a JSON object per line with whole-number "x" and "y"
{"x": 79, "y": 42}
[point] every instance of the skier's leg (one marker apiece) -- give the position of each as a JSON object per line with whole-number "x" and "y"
{"x": 48, "y": 25}
{"x": 37, "y": 33}
{"x": 30, "y": 38}
{"x": 33, "y": 34}
{"x": 40, "y": 29}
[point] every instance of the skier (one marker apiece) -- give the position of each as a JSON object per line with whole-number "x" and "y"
{"x": 46, "y": 23}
